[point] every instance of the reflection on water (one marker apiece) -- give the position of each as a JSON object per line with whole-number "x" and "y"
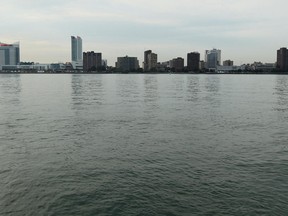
{"x": 87, "y": 92}
{"x": 10, "y": 89}
{"x": 193, "y": 88}
{"x": 10, "y": 101}
{"x": 77, "y": 84}
{"x": 212, "y": 87}
{"x": 151, "y": 95}
{"x": 176, "y": 85}
{"x": 280, "y": 107}
{"x": 144, "y": 144}
{"x": 281, "y": 90}
{"x": 212, "y": 83}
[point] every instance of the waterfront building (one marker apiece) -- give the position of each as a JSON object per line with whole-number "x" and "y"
{"x": 9, "y": 54}
{"x": 150, "y": 61}
{"x": 212, "y": 58}
{"x": 282, "y": 59}
{"x": 76, "y": 52}
{"x": 92, "y": 60}
{"x": 26, "y": 67}
{"x": 193, "y": 60}
{"x": 162, "y": 66}
{"x": 57, "y": 66}
{"x": 229, "y": 69}
{"x": 202, "y": 65}
{"x": 104, "y": 63}
{"x": 127, "y": 63}
{"x": 177, "y": 64}
{"x": 228, "y": 63}
{"x": 263, "y": 67}
{"x": 145, "y": 63}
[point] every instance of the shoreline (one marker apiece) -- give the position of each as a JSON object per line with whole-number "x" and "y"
{"x": 155, "y": 73}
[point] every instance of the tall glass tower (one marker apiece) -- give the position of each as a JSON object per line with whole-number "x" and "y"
{"x": 212, "y": 58}
{"x": 76, "y": 49}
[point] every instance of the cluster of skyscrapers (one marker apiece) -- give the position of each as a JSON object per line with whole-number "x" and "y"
{"x": 92, "y": 61}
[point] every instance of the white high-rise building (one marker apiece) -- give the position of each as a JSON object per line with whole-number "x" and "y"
{"x": 9, "y": 54}
{"x": 212, "y": 58}
{"x": 76, "y": 52}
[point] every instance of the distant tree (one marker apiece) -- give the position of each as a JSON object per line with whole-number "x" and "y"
{"x": 101, "y": 68}
{"x": 93, "y": 68}
{"x": 140, "y": 70}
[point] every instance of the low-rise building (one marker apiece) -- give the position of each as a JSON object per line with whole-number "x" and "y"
{"x": 227, "y": 69}
{"x": 57, "y": 66}
{"x": 265, "y": 67}
{"x": 228, "y": 63}
{"x": 26, "y": 67}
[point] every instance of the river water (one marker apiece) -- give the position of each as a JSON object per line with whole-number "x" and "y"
{"x": 135, "y": 144}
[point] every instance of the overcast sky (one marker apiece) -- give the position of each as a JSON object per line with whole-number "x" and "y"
{"x": 245, "y": 30}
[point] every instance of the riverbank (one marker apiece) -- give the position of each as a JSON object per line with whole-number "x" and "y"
{"x": 93, "y": 72}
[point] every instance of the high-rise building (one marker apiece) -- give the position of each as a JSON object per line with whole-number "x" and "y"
{"x": 193, "y": 60}
{"x": 76, "y": 48}
{"x": 212, "y": 58}
{"x": 202, "y": 65}
{"x": 92, "y": 60}
{"x": 228, "y": 63}
{"x": 104, "y": 63}
{"x": 152, "y": 61}
{"x": 127, "y": 63}
{"x": 76, "y": 52}
{"x": 145, "y": 63}
{"x": 9, "y": 54}
{"x": 282, "y": 59}
{"x": 177, "y": 64}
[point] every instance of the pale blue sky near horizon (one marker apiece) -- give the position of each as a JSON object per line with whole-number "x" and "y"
{"x": 245, "y": 31}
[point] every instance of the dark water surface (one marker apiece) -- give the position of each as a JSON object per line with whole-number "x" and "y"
{"x": 143, "y": 145}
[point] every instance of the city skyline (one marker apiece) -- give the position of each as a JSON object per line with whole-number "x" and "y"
{"x": 245, "y": 31}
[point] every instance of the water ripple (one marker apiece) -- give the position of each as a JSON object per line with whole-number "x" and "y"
{"x": 143, "y": 145}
